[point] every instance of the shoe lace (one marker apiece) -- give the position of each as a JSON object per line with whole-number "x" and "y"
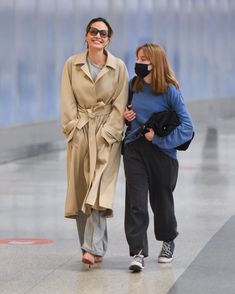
{"x": 166, "y": 249}
{"x": 139, "y": 256}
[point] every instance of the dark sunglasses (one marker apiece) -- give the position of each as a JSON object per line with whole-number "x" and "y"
{"x": 94, "y": 32}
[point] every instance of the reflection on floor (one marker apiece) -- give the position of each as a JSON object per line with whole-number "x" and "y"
{"x": 32, "y": 193}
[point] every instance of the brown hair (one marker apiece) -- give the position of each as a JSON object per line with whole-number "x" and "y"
{"x": 162, "y": 74}
{"x": 110, "y": 30}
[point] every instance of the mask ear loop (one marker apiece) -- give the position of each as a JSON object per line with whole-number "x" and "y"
{"x": 151, "y": 66}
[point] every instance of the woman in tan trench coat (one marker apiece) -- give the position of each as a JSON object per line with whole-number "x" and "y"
{"x": 93, "y": 98}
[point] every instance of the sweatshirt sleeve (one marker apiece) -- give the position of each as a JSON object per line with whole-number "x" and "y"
{"x": 184, "y": 131}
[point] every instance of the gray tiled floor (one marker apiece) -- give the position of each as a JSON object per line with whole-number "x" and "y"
{"x": 32, "y": 195}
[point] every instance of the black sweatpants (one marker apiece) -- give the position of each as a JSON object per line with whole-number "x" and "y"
{"x": 149, "y": 172}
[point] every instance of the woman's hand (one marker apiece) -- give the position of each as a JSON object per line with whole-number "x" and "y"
{"x": 129, "y": 114}
{"x": 149, "y": 135}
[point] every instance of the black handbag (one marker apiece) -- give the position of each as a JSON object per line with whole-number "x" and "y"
{"x": 163, "y": 123}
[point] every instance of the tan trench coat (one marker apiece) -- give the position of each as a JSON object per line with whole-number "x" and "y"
{"x": 93, "y": 122}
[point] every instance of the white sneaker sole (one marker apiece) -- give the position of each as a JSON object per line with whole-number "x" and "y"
{"x": 164, "y": 259}
{"x": 135, "y": 266}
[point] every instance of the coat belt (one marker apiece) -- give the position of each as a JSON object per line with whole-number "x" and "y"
{"x": 88, "y": 115}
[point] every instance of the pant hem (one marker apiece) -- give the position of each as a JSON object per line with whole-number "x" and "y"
{"x": 93, "y": 252}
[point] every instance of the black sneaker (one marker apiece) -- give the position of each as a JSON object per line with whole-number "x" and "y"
{"x": 166, "y": 254}
{"x": 138, "y": 263}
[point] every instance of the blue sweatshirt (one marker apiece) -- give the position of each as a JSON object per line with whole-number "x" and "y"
{"x": 145, "y": 103}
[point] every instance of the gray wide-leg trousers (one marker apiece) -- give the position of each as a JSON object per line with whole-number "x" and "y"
{"x": 92, "y": 232}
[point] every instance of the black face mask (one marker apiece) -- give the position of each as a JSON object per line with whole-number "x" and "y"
{"x": 141, "y": 69}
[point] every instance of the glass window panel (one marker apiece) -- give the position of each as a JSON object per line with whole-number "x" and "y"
{"x": 37, "y": 36}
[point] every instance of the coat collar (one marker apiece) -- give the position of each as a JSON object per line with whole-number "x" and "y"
{"x": 80, "y": 59}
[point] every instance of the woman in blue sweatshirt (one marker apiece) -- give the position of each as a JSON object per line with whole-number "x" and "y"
{"x": 150, "y": 160}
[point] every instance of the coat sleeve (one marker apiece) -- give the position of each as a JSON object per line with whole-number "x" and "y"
{"x": 113, "y": 128}
{"x": 67, "y": 100}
